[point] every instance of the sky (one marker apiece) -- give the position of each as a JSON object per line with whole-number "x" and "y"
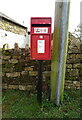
{"x": 23, "y": 10}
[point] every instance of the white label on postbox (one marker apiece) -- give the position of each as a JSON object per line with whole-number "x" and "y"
{"x": 40, "y": 30}
{"x": 41, "y": 46}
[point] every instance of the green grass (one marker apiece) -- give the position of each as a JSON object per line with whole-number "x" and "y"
{"x": 19, "y": 104}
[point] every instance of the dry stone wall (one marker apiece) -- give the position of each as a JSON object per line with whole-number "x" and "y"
{"x": 74, "y": 62}
{"x": 19, "y": 72}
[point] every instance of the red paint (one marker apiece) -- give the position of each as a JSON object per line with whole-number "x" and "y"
{"x": 40, "y": 30}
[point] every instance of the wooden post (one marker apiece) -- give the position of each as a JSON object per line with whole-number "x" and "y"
{"x": 60, "y": 43}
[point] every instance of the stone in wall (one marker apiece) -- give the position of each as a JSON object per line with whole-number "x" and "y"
{"x": 78, "y": 56}
{"x": 33, "y": 73}
{"x": 16, "y": 57}
{"x": 14, "y": 74}
{"x": 13, "y": 61}
{"x": 78, "y": 65}
{"x": 73, "y": 61}
{"x": 28, "y": 87}
{"x": 25, "y": 73}
{"x": 6, "y": 57}
{"x": 17, "y": 50}
{"x": 15, "y": 87}
{"x": 46, "y": 73}
{"x": 6, "y": 70}
{"x": 69, "y": 66}
{"x": 28, "y": 68}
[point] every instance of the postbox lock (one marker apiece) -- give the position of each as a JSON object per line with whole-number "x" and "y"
{"x": 40, "y": 36}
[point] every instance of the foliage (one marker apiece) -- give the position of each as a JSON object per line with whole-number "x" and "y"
{"x": 78, "y": 32}
{"x": 19, "y": 104}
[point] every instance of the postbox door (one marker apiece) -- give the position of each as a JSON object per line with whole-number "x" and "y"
{"x": 40, "y": 47}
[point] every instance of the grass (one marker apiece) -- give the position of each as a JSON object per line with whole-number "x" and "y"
{"x": 19, "y": 104}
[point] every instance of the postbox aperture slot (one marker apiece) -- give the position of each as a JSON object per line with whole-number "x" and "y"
{"x": 41, "y": 25}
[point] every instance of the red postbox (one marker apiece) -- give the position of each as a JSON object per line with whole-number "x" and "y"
{"x": 40, "y": 38}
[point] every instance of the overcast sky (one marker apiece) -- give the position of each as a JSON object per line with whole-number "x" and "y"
{"x": 22, "y": 10}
